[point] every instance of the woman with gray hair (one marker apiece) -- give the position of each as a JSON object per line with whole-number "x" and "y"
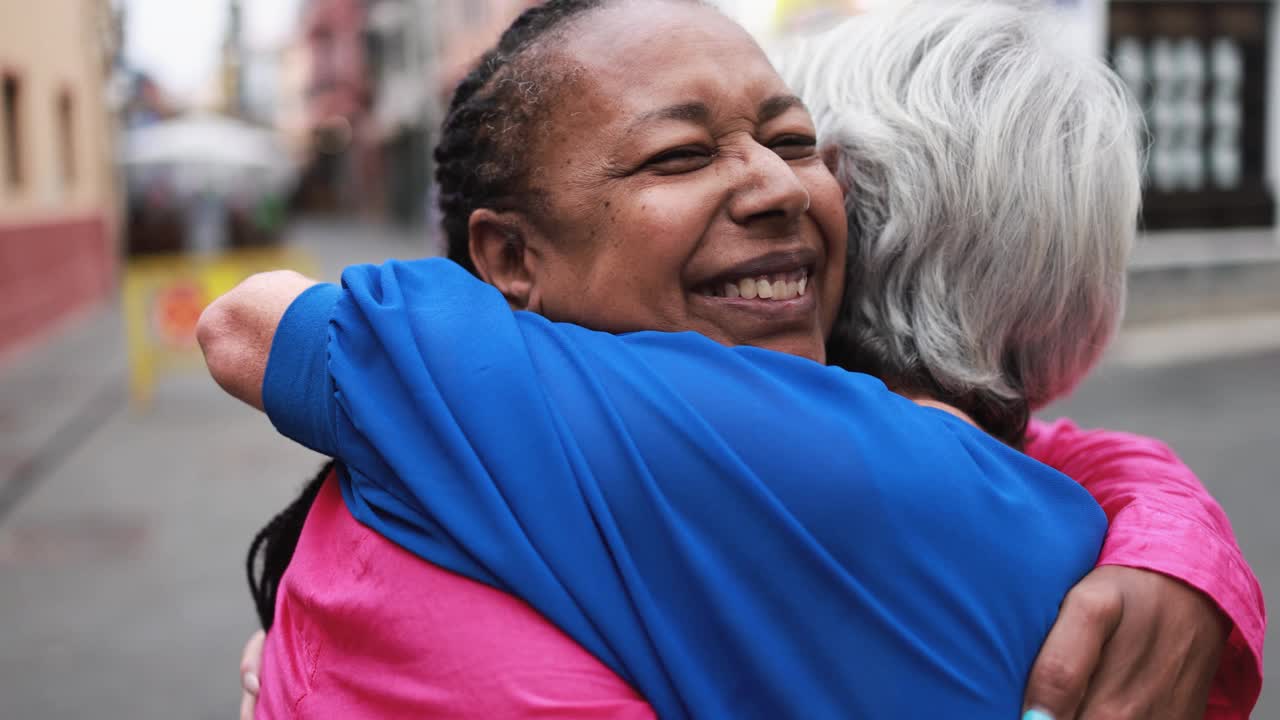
{"x": 769, "y": 682}
{"x": 992, "y": 187}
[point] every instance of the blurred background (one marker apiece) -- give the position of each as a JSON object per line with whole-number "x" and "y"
{"x": 154, "y": 152}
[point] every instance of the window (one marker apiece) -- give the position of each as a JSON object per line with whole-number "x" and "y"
{"x": 12, "y": 128}
{"x": 66, "y": 139}
{"x": 1199, "y": 71}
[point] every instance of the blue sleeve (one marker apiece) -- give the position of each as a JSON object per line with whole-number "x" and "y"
{"x": 718, "y": 525}
{"x": 297, "y": 391}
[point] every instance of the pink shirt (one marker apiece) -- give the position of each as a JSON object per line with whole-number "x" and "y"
{"x": 364, "y": 629}
{"x": 1163, "y": 519}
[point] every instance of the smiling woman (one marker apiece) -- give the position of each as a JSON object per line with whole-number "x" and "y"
{"x": 728, "y": 189}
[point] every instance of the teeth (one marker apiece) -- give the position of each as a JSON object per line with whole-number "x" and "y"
{"x": 765, "y": 287}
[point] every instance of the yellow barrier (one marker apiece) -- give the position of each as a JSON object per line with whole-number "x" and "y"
{"x": 163, "y": 298}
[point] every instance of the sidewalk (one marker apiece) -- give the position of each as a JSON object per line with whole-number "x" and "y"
{"x": 56, "y": 391}
{"x": 51, "y": 395}
{"x": 122, "y": 534}
{"x": 1203, "y": 275}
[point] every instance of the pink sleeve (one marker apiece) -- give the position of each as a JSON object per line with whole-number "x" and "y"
{"x": 1163, "y": 519}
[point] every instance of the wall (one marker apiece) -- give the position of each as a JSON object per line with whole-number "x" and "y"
{"x": 57, "y": 244}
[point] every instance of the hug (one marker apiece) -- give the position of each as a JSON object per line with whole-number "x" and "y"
{"x": 721, "y": 404}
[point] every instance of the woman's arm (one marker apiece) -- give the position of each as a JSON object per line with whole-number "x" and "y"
{"x": 1167, "y": 535}
{"x": 236, "y": 331}
{"x": 614, "y": 483}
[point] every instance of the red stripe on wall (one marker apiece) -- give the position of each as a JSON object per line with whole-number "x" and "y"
{"x": 48, "y": 271}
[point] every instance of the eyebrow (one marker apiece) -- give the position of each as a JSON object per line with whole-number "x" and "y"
{"x": 777, "y": 105}
{"x": 694, "y": 112}
{"x": 698, "y": 112}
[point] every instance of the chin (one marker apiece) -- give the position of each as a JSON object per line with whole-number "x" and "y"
{"x": 805, "y": 347}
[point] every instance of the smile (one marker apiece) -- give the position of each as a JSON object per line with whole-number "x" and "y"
{"x": 771, "y": 287}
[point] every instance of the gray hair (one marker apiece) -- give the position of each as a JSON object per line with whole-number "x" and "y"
{"x": 992, "y": 184}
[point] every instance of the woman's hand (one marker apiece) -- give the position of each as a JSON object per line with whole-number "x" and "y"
{"x": 250, "y": 666}
{"x": 1129, "y": 643}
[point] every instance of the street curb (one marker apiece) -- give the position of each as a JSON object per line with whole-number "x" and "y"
{"x": 1195, "y": 341}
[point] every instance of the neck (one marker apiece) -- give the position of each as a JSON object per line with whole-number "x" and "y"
{"x": 929, "y": 402}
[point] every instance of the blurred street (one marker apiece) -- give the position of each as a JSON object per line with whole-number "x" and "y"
{"x": 122, "y": 534}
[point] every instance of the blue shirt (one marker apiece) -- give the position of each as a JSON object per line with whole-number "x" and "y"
{"x": 735, "y": 532}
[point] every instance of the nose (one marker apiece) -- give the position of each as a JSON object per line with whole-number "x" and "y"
{"x": 769, "y": 195}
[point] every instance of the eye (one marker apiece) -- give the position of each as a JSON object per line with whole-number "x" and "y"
{"x": 680, "y": 160}
{"x": 794, "y": 147}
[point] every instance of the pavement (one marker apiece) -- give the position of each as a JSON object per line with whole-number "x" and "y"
{"x": 122, "y": 532}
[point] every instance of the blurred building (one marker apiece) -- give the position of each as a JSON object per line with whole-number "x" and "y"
{"x": 58, "y": 248}
{"x": 340, "y": 170}
{"x": 418, "y": 51}
{"x": 402, "y": 51}
{"x": 1201, "y": 72}
{"x": 134, "y": 98}
{"x": 369, "y": 81}
{"x": 464, "y": 31}
{"x": 232, "y": 63}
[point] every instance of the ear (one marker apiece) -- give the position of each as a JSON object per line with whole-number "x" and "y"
{"x": 831, "y": 158}
{"x": 503, "y": 256}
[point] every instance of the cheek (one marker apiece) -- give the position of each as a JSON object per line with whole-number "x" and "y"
{"x": 652, "y": 232}
{"x": 624, "y": 268}
{"x": 678, "y": 208}
{"x": 827, "y": 211}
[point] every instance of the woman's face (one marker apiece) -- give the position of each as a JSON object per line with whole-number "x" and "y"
{"x": 681, "y": 188}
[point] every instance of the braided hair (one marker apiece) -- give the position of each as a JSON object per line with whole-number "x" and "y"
{"x": 482, "y": 156}
{"x": 480, "y": 163}
{"x": 272, "y": 548}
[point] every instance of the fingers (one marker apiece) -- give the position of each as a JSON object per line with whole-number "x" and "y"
{"x": 251, "y": 660}
{"x": 1070, "y": 654}
{"x": 247, "y": 705}
{"x": 250, "y": 667}
{"x": 1161, "y": 661}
